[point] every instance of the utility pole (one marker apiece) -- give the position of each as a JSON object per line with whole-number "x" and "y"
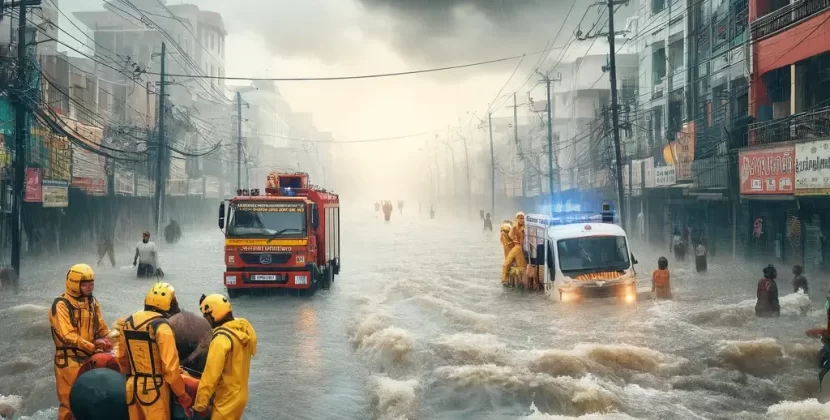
{"x": 160, "y": 181}
{"x": 615, "y": 120}
{"x": 516, "y": 138}
{"x": 492, "y": 166}
{"x": 21, "y": 132}
{"x": 469, "y": 183}
{"x": 612, "y": 64}
{"x": 238, "y": 140}
{"x": 548, "y": 81}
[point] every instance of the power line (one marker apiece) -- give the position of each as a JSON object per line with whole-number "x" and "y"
{"x": 357, "y": 77}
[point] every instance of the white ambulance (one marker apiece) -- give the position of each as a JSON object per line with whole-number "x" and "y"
{"x": 588, "y": 256}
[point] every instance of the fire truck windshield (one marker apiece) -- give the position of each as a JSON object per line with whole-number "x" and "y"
{"x": 268, "y": 220}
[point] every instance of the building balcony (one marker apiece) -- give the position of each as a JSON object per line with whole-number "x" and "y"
{"x": 786, "y": 17}
{"x": 812, "y": 124}
{"x": 711, "y": 172}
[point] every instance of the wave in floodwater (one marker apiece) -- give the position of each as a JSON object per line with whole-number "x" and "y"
{"x": 484, "y": 352}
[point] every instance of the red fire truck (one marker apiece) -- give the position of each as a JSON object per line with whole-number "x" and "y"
{"x": 288, "y": 238}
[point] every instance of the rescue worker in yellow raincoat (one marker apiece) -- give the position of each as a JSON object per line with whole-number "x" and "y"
{"x": 78, "y": 330}
{"x": 516, "y": 255}
{"x": 228, "y": 361}
{"x": 146, "y": 353}
{"x": 506, "y": 243}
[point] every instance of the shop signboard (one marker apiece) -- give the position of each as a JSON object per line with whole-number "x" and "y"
{"x": 88, "y": 167}
{"x": 124, "y": 182}
{"x": 92, "y": 186}
{"x": 665, "y": 176}
{"x": 648, "y": 172}
{"x": 34, "y": 193}
{"x": 211, "y": 187}
{"x": 769, "y": 171}
{"x": 55, "y": 193}
{"x": 176, "y": 187}
{"x": 812, "y": 168}
{"x": 144, "y": 187}
{"x": 626, "y": 170}
{"x": 59, "y": 166}
{"x": 196, "y": 186}
{"x": 636, "y": 178}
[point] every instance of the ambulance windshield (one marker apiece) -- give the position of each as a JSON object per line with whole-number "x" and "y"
{"x": 592, "y": 253}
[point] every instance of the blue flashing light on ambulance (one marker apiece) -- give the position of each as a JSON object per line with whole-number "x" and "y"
{"x": 581, "y": 255}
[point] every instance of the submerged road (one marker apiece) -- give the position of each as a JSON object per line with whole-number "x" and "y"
{"x": 418, "y": 327}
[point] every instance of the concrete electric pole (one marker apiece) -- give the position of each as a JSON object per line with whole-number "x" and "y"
{"x": 160, "y": 152}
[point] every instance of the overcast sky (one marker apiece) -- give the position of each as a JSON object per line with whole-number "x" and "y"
{"x": 345, "y": 37}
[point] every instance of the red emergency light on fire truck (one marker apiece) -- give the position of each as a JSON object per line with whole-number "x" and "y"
{"x": 288, "y": 238}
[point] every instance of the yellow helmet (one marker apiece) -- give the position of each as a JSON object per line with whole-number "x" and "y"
{"x": 216, "y": 306}
{"x": 77, "y": 274}
{"x": 161, "y": 297}
{"x": 505, "y": 227}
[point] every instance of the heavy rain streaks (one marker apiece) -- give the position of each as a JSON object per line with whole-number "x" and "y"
{"x": 419, "y": 327}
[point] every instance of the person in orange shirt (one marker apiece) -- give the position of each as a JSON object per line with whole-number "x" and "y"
{"x": 661, "y": 280}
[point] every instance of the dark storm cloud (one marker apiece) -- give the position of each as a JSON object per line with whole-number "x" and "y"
{"x": 423, "y": 32}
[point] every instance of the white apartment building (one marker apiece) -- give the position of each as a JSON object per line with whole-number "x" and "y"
{"x": 582, "y": 91}
{"x": 194, "y": 45}
{"x": 661, "y": 38}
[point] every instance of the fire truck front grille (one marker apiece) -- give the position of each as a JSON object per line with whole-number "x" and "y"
{"x": 266, "y": 258}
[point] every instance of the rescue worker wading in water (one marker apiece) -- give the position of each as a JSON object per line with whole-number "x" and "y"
{"x": 147, "y": 355}
{"x": 516, "y": 255}
{"x": 78, "y": 330}
{"x": 228, "y": 361}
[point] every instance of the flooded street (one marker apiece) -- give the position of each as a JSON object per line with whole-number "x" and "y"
{"x": 418, "y": 327}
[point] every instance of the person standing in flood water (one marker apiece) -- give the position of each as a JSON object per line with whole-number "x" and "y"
{"x": 700, "y": 257}
{"x": 661, "y": 280}
{"x": 767, "y": 304}
{"x": 799, "y": 281}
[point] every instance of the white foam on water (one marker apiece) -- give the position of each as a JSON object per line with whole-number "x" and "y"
{"x": 799, "y": 410}
{"x": 469, "y": 348}
{"x": 394, "y": 399}
{"x": 389, "y": 346}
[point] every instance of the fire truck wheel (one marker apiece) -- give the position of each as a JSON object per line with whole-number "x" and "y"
{"x": 328, "y": 277}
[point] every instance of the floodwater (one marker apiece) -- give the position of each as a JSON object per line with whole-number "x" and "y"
{"x": 418, "y": 327}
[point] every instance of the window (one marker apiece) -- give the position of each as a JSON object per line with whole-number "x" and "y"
{"x": 658, "y": 6}
{"x": 267, "y": 220}
{"x": 676, "y": 55}
{"x": 658, "y": 64}
{"x": 593, "y": 254}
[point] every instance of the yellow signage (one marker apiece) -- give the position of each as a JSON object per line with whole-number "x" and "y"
{"x": 264, "y": 242}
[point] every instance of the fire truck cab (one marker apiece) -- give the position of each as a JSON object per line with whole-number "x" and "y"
{"x": 288, "y": 238}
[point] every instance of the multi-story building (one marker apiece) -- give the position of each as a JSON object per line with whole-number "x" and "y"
{"x": 784, "y": 161}
{"x": 195, "y": 45}
{"x": 582, "y": 151}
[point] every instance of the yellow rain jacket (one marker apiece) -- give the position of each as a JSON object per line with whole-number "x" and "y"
{"x": 227, "y": 370}
{"x": 76, "y": 324}
{"x": 516, "y": 254}
{"x": 505, "y": 239}
{"x": 146, "y": 353}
